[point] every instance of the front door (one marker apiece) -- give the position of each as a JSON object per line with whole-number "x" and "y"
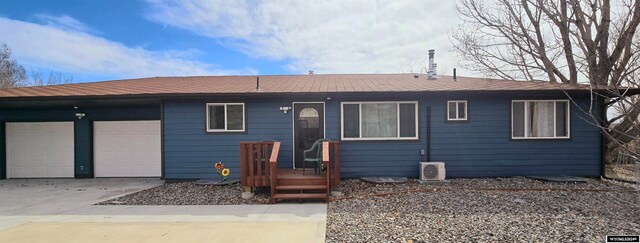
{"x": 308, "y": 126}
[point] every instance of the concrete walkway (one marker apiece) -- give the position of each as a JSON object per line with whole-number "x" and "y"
{"x": 49, "y": 213}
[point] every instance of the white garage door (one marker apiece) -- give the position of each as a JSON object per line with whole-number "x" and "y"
{"x": 127, "y": 148}
{"x": 39, "y": 149}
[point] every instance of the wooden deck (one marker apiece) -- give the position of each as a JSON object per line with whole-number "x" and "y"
{"x": 297, "y": 174}
{"x": 288, "y": 175}
{"x": 259, "y": 168}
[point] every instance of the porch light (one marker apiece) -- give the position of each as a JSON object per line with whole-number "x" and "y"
{"x": 285, "y": 109}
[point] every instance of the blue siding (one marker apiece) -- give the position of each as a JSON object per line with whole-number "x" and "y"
{"x": 483, "y": 146}
{"x": 83, "y": 150}
{"x": 190, "y": 152}
{"x": 477, "y": 148}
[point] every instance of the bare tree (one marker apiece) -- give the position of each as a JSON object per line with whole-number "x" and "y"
{"x": 564, "y": 41}
{"x": 37, "y": 78}
{"x": 12, "y": 74}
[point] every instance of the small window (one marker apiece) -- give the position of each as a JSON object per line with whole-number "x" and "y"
{"x": 225, "y": 117}
{"x": 379, "y": 120}
{"x": 539, "y": 119}
{"x": 457, "y": 110}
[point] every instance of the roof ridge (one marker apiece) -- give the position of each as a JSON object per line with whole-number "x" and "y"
{"x": 201, "y": 76}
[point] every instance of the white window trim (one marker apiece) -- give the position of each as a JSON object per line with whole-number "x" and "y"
{"x": 360, "y": 119}
{"x": 225, "y": 117}
{"x": 526, "y": 116}
{"x": 457, "y": 102}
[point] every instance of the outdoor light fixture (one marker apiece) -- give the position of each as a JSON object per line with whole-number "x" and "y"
{"x": 80, "y": 115}
{"x": 285, "y": 109}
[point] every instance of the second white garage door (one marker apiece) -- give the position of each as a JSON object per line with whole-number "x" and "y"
{"x": 127, "y": 148}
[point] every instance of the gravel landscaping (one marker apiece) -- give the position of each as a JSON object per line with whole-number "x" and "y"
{"x": 358, "y": 188}
{"x": 499, "y": 209}
{"x": 511, "y": 209}
{"x": 188, "y": 193}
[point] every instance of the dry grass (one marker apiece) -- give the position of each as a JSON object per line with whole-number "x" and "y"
{"x": 629, "y": 172}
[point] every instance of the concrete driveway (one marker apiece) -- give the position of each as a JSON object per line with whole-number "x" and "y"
{"x": 62, "y": 210}
{"x": 57, "y": 196}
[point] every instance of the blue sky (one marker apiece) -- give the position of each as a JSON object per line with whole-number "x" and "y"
{"x": 100, "y": 40}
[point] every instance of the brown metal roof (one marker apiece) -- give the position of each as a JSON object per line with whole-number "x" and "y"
{"x": 317, "y": 83}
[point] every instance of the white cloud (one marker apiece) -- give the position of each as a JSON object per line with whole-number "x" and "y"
{"x": 68, "y": 49}
{"x": 64, "y": 22}
{"x": 326, "y": 36}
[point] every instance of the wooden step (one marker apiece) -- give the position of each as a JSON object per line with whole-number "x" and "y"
{"x": 305, "y": 181}
{"x": 299, "y": 195}
{"x": 301, "y": 187}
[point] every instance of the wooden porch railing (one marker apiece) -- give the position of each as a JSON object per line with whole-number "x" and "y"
{"x": 273, "y": 166}
{"x": 333, "y": 168}
{"x": 254, "y": 163}
{"x": 326, "y": 162}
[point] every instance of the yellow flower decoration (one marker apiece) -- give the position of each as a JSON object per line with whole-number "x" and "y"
{"x": 225, "y": 172}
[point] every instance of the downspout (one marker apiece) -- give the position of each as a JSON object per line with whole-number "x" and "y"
{"x": 428, "y": 134}
{"x": 162, "y": 152}
{"x": 603, "y": 138}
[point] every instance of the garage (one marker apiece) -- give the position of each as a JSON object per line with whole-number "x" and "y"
{"x": 127, "y": 148}
{"x": 40, "y": 149}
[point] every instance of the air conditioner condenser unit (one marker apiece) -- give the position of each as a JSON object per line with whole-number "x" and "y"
{"x": 432, "y": 171}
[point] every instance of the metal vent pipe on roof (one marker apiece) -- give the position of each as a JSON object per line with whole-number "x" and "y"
{"x": 431, "y": 73}
{"x": 257, "y": 82}
{"x": 434, "y": 71}
{"x": 454, "y": 74}
{"x": 431, "y": 54}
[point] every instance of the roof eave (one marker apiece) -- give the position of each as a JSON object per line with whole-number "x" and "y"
{"x": 263, "y": 93}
